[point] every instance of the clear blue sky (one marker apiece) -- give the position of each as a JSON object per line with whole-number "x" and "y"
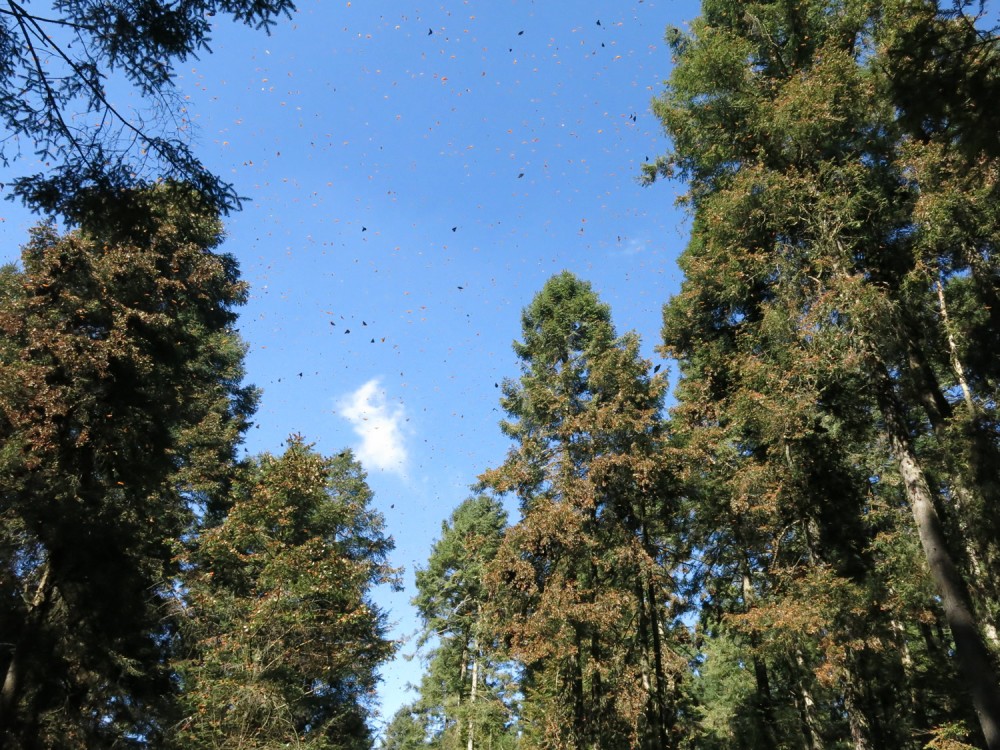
{"x": 415, "y": 174}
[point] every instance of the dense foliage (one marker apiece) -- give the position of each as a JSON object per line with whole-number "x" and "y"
{"x": 804, "y": 552}
{"x": 58, "y": 64}
{"x": 281, "y": 643}
{"x": 121, "y": 397}
{"x": 465, "y": 698}
{"x": 823, "y": 497}
{"x": 135, "y": 551}
{"x": 580, "y": 589}
{"x": 836, "y": 412}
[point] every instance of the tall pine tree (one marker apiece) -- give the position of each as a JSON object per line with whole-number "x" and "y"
{"x": 580, "y": 586}
{"x": 282, "y": 641}
{"x": 839, "y": 278}
{"x": 466, "y": 687}
{"x": 120, "y": 397}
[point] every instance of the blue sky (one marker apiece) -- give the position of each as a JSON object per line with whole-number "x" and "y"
{"x": 415, "y": 174}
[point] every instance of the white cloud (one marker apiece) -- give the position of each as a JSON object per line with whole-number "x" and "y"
{"x": 628, "y": 246}
{"x": 379, "y": 425}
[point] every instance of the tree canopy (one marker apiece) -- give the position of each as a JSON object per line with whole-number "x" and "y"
{"x": 580, "y": 591}
{"x": 837, "y": 260}
{"x": 801, "y": 550}
{"x": 59, "y": 69}
{"x": 281, "y": 639}
{"x": 121, "y": 401}
{"x": 160, "y": 592}
{"x": 466, "y": 696}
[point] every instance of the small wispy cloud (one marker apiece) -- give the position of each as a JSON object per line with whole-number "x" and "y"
{"x": 379, "y": 425}
{"x": 634, "y": 246}
{"x": 629, "y": 246}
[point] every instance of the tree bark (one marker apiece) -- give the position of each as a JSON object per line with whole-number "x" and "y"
{"x": 649, "y": 680}
{"x": 906, "y": 659}
{"x": 974, "y": 659}
{"x": 663, "y": 720}
{"x": 14, "y": 679}
{"x": 857, "y": 719}
{"x": 966, "y": 497}
{"x": 806, "y": 705}
{"x": 767, "y": 723}
{"x": 956, "y": 361}
{"x": 473, "y": 694}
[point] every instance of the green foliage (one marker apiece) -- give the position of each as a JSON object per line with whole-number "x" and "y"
{"x": 408, "y": 730}
{"x": 283, "y": 642}
{"x": 120, "y": 399}
{"x": 465, "y": 695}
{"x": 54, "y": 71}
{"x": 130, "y": 619}
{"x": 450, "y": 589}
{"x": 579, "y": 585}
{"x": 824, "y": 339}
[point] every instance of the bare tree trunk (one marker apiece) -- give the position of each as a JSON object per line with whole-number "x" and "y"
{"x": 806, "y": 705}
{"x": 956, "y": 362}
{"x": 473, "y": 694}
{"x": 966, "y": 497}
{"x": 974, "y": 658}
{"x": 650, "y": 681}
{"x": 651, "y": 601}
{"x": 663, "y": 702}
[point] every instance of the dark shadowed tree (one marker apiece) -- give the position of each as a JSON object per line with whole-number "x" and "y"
{"x": 57, "y": 63}
{"x": 840, "y": 287}
{"x": 120, "y": 402}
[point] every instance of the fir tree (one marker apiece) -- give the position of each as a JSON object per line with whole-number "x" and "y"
{"x": 466, "y": 687}
{"x": 283, "y": 641}
{"x": 826, "y": 321}
{"x": 55, "y": 65}
{"x": 120, "y": 400}
{"x": 580, "y": 588}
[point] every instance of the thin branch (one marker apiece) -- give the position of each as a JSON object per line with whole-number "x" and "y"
{"x": 49, "y": 94}
{"x": 43, "y": 19}
{"x": 97, "y": 94}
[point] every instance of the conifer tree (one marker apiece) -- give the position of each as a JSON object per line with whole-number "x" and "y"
{"x": 120, "y": 400}
{"x": 580, "y": 587}
{"x": 56, "y": 63}
{"x": 466, "y": 687}
{"x": 282, "y": 639}
{"x": 839, "y": 276}
{"x": 408, "y": 730}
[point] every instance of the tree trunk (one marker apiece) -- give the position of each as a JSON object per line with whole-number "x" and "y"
{"x": 665, "y": 719}
{"x": 765, "y": 701}
{"x": 654, "y": 736}
{"x": 473, "y": 694}
{"x": 968, "y": 489}
{"x": 974, "y": 659}
{"x": 857, "y": 719}
{"x": 956, "y": 362}
{"x": 579, "y": 703}
{"x": 14, "y": 679}
{"x": 806, "y": 705}
{"x": 651, "y": 601}
{"x": 906, "y": 659}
